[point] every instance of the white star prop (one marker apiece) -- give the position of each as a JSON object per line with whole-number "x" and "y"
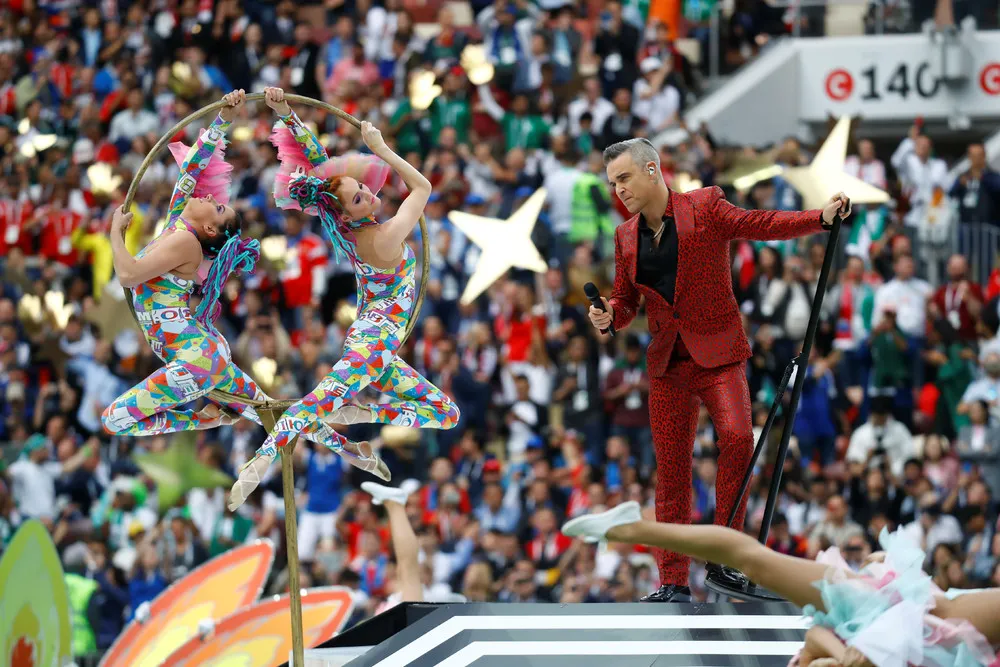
{"x": 504, "y": 244}
{"x": 826, "y": 177}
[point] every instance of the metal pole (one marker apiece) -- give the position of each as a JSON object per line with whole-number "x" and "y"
{"x": 267, "y": 418}
{"x": 761, "y": 441}
{"x": 802, "y": 367}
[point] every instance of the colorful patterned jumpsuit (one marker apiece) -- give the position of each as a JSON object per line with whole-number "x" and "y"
{"x": 198, "y": 359}
{"x": 385, "y": 299}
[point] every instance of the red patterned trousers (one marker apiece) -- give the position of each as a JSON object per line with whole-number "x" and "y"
{"x": 674, "y": 400}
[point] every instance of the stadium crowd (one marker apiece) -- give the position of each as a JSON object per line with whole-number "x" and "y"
{"x": 899, "y": 422}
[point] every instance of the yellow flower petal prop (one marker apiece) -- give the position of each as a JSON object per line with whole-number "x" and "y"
{"x": 29, "y": 309}
{"x": 423, "y": 89}
{"x": 274, "y": 248}
{"x": 265, "y": 370}
{"x": 219, "y": 588}
{"x": 34, "y": 608}
{"x": 243, "y": 133}
{"x": 56, "y": 305}
{"x": 102, "y": 178}
{"x": 346, "y": 314}
{"x": 260, "y": 636}
{"x": 476, "y": 65}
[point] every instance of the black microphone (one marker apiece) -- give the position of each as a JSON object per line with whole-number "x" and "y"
{"x": 590, "y": 289}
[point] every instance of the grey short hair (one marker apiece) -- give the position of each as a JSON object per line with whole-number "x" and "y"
{"x": 641, "y": 150}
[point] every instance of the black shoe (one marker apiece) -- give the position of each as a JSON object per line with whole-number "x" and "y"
{"x": 726, "y": 577}
{"x": 668, "y": 593}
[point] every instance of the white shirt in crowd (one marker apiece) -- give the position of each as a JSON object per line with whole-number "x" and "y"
{"x": 34, "y": 487}
{"x": 129, "y": 125}
{"x": 919, "y": 179}
{"x": 659, "y": 109}
{"x": 946, "y": 530}
{"x": 909, "y": 298}
{"x": 896, "y": 439}
{"x": 600, "y": 110}
{"x": 872, "y": 173}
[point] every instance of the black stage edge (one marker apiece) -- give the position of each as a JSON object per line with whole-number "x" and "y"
{"x": 584, "y": 635}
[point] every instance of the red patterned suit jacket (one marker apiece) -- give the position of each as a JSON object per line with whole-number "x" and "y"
{"x": 704, "y": 313}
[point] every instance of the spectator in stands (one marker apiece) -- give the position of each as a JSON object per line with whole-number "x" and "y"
{"x": 881, "y": 436}
{"x": 977, "y": 190}
{"x": 931, "y": 527}
{"x": 835, "y": 528}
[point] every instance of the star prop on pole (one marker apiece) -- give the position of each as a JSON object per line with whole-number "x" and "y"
{"x": 826, "y": 176}
{"x": 178, "y": 470}
{"x": 505, "y": 244}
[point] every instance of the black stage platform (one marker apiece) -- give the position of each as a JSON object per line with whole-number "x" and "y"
{"x": 581, "y": 635}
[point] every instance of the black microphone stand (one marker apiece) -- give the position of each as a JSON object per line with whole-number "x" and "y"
{"x": 750, "y": 591}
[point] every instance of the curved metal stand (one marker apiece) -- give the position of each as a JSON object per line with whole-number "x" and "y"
{"x": 750, "y": 591}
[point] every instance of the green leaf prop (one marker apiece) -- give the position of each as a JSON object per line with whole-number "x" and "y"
{"x": 178, "y": 470}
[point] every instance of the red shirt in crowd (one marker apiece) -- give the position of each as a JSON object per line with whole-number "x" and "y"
{"x": 354, "y": 531}
{"x": 14, "y": 215}
{"x": 953, "y": 303}
{"x": 516, "y": 332}
{"x": 305, "y": 255}
{"x": 57, "y": 235}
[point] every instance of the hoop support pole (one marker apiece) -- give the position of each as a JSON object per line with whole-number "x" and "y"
{"x": 287, "y": 453}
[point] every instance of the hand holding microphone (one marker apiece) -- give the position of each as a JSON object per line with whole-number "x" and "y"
{"x": 602, "y": 314}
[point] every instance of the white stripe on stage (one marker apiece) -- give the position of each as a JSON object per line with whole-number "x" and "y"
{"x": 477, "y": 650}
{"x": 457, "y": 624}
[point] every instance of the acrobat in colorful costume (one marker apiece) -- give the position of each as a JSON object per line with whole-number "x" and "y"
{"x": 385, "y": 299}
{"x": 197, "y": 357}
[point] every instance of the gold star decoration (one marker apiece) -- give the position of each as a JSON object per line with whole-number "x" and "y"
{"x": 111, "y": 314}
{"x": 476, "y": 65}
{"x": 685, "y": 182}
{"x": 103, "y": 179}
{"x": 423, "y": 89}
{"x": 825, "y": 176}
{"x": 505, "y": 244}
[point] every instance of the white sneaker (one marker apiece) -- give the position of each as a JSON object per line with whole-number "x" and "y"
{"x": 411, "y": 486}
{"x": 381, "y": 494}
{"x": 593, "y": 527}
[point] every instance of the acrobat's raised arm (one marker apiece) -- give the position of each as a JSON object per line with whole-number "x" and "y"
{"x": 200, "y": 155}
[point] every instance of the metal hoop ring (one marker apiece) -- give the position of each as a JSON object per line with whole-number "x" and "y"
{"x": 290, "y": 98}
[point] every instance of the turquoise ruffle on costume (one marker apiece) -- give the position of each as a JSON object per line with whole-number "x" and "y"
{"x": 883, "y": 611}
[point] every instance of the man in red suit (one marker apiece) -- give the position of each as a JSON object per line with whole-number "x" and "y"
{"x": 674, "y": 251}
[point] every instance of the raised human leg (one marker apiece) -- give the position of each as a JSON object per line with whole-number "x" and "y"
{"x": 414, "y": 400}
{"x": 151, "y": 406}
{"x": 790, "y": 577}
{"x": 979, "y": 609}
{"x": 404, "y": 540}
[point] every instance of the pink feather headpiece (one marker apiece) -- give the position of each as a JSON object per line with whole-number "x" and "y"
{"x": 367, "y": 169}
